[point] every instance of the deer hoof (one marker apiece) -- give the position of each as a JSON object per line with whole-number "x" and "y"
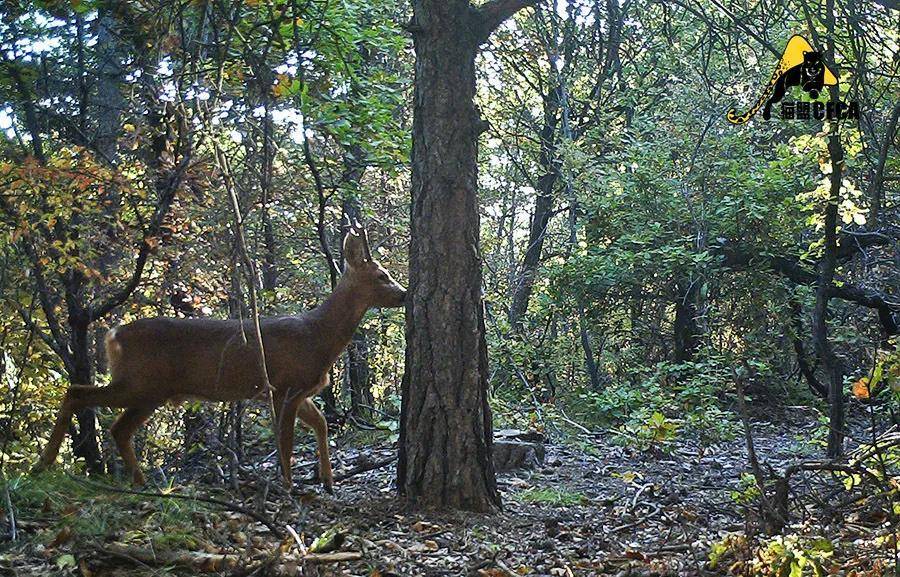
{"x": 137, "y": 480}
{"x": 329, "y": 486}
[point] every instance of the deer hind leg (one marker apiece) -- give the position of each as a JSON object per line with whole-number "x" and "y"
{"x": 77, "y": 398}
{"x": 63, "y": 420}
{"x": 313, "y": 418}
{"x": 123, "y": 433}
{"x": 285, "y": 417}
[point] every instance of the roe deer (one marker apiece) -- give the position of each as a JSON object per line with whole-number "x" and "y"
{"x": 160, "y": 360}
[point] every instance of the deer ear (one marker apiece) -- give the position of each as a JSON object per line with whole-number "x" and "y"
{"x": 354, "y": 249}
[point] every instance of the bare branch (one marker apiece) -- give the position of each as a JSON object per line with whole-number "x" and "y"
{"x": 493, "y": 13}
{"x": 32, "y": 325}
{"x": 794, "y": 271}
{"x": 334, "y": 270}
{"x": 44, "y": 295}
{"x": 167, "y": 190}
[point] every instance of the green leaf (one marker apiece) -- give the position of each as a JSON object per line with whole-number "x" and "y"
{"x": 877, "y": 375}
{"x": 328, "y": 541}
{"x": 823, "y": 545}
{"x": 65, "y": 561}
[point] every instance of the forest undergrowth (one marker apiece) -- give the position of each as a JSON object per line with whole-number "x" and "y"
{"x": 601, "y": 504}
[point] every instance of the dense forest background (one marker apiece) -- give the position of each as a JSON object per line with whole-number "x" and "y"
{"x": 654, "y": 278}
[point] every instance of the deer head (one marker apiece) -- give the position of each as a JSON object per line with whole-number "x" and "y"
{"x": 371, "y": 281}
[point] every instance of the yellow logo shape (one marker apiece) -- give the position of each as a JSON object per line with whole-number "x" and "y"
{"x": 800, "y": 65}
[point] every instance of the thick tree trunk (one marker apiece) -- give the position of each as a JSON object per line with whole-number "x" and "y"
{"x": 445, "y": 444}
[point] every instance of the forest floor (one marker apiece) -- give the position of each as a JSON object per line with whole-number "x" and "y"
{"x": 593, "y": 508}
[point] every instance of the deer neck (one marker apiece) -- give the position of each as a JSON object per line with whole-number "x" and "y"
{"x": 339, "y": 316}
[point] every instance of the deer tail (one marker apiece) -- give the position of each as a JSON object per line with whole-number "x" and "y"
{"x": 113, "y": 351}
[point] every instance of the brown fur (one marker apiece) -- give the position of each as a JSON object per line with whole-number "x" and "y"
{"x": 163, "y": 360}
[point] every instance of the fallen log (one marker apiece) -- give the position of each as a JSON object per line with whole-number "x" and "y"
{"x": 335, "y": 557}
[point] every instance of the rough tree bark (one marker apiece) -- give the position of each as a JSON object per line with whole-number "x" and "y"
{"x": 445, "y": 430}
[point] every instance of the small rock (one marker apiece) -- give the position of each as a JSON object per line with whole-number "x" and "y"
{"x": 509, "y": 455}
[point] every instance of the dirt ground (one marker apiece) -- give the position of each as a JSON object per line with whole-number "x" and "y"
{"x": 593, "y": 508}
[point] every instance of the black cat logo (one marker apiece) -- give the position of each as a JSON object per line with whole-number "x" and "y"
{"x": 801, "y": 66}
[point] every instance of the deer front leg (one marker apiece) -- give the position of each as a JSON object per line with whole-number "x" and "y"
{"x": 313, "y": 418}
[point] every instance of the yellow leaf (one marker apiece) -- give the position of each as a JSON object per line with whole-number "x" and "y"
{"x": 861, "y": 388}
{"x": 283, "y": 86}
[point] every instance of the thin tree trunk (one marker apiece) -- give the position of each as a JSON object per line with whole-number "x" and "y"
{"x": 357, "y": 368}
{"x": 590, "y": 363}
{"x": 876, "y": 190}
{"x": 84, "y": 438}
{"x": 270, "y": 251}
{"x": 807, "y": 370}
{"x": 827, "y": 265}
{"x": 327, "y": 394}
{"x": 236, "y": 310}
{"x": 685, "y": 327}
{"x": 543, "y": 210}
{"x": 109, "y": 106}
